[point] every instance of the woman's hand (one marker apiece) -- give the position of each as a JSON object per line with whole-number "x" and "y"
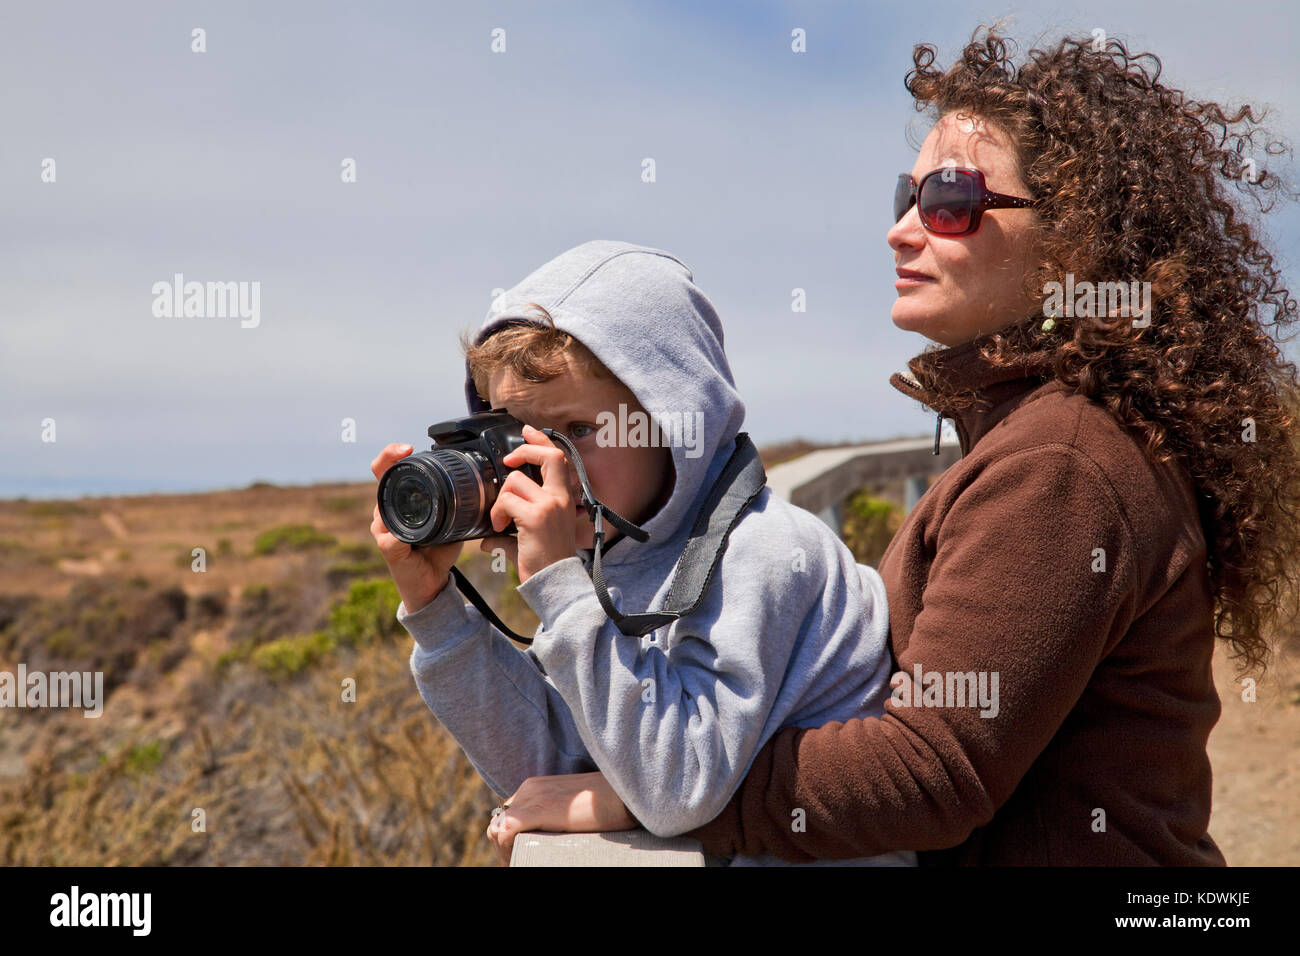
{"x": 565, "y": 803}
{"x": 544, "y": 515}
{"x": 419, "y": 573}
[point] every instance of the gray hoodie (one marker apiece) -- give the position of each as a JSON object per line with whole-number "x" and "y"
{"x": 791, "y": 631}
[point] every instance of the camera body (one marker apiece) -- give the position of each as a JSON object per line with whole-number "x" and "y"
{"x": 446, "y": 494}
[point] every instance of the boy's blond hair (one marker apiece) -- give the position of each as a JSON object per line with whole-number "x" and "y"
{"x": 532, "y": 353}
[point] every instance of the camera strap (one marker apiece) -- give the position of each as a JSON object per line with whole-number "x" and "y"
{"x": 734, "y": 490}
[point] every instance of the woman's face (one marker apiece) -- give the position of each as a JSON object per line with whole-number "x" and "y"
{"x": 972, "y": 283}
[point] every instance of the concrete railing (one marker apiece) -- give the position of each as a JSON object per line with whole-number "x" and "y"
{"x": 620, "y": 848}
{"x": 819, "y": 482}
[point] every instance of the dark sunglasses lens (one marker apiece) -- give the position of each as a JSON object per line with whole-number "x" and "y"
{"x": 946, "y": 207}
{"x": 902, "y": 197}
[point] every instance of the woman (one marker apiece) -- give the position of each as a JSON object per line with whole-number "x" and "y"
{"x": 1127, "y": 491}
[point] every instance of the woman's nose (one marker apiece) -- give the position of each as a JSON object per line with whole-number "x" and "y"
{"x": 907, "y": 232}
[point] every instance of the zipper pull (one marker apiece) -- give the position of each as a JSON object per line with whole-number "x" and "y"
{"x": 938, "y": 424}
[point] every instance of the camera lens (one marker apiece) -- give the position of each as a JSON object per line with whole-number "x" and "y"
{"x": 437, "y": 496}
{"x": 412, "y": 500}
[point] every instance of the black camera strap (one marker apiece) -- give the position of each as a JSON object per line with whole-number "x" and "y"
{"x": 738, "y": 485}
{"x": 734, "y": 490}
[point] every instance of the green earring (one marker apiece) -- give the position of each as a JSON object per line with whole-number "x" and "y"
{"x": 1050, "y": 322}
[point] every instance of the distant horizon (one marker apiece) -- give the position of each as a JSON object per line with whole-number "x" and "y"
{"x": 15, "y": 487}
{"x": 143, "y": 487}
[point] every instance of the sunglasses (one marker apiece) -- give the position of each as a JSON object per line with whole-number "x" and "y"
{"x": 951, "y": 200}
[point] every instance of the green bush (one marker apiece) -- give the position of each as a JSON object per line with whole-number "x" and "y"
{"x": 54, "y": 509}
{"x": 367, "y": 614}
{"x": 239, "y": 652}
{"x": 356, "y": 552}
{"x": 361, "y": 560}
{"x": 144, "y": 759}
{"x": 289, "y": 655}
{"x": 338, "y": 574}
{"x": 63, "y": 642}
{"x": 869, "y": 526}
{"x": 291, "y": 537}
{"x": 344, "y": 505}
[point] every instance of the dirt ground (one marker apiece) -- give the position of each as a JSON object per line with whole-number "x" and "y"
{"x": 45, "y": 548}
{"x": 1255, "y": 752}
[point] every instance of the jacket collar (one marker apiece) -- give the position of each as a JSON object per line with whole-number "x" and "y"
{"x": 998, "y": 390}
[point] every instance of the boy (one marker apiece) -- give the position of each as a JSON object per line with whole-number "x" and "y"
{"x": 790, "y": 630}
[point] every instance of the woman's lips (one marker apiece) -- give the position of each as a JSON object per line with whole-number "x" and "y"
{"x": 907, "y": 278}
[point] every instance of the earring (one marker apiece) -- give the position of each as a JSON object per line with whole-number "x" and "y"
{"x": 1050, "y": 322}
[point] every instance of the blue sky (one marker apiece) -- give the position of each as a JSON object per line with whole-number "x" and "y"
{"x": 774, "y": 171}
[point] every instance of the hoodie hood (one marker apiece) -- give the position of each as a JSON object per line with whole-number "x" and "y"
{"x": 640, "y": 313}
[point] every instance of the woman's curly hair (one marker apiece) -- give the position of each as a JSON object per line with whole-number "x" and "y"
{"x": 1137, "y": 182}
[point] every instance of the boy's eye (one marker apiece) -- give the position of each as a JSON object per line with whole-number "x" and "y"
{"x": 579, "y": 430}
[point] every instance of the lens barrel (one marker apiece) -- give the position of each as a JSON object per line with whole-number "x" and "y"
{"x": 438, "y": 496}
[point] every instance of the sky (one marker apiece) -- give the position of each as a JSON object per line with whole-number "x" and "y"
{"x": 773, "y": 171}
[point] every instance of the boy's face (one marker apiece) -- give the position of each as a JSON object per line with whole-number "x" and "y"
{"x": 633, "y": 481}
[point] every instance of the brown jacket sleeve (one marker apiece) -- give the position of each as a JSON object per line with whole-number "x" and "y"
{"x": 1011, "y": 591}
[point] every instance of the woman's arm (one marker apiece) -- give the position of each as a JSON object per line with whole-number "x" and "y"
{"x": 675, "y": 728}
{"x": 1011, "y": 592}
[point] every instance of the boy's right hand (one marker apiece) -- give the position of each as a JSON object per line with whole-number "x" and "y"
{"x": 419, "y": 573}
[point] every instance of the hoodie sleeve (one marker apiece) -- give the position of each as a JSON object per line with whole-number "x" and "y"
{"x": 675, "y": 731}
{"x": 926, "y": 777}
{"x": 495, "y": 699}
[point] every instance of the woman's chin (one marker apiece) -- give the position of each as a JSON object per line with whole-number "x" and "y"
{"x": 911, "y": 319}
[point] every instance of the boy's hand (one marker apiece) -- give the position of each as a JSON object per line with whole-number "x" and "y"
{"x": 544, "y": 515}
{"x": 563, "y": 803}
{"x": 419, "y": 573}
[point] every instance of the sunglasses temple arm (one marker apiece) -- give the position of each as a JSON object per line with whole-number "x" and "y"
{"x": 1000, "y": 201}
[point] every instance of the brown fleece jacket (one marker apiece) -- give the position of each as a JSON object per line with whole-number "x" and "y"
{"x": 1056, "y": 556}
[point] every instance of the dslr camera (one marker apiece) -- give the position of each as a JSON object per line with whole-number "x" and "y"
{"x": 446, "y": 494}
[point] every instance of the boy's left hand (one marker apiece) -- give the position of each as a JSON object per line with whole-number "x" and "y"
{"x": 564, "y": 803}
{"x": 544, "y": 515}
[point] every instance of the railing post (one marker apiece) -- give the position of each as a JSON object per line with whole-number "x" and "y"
{"x": 833, "y": 515}
{"x": 913, "y": 488}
